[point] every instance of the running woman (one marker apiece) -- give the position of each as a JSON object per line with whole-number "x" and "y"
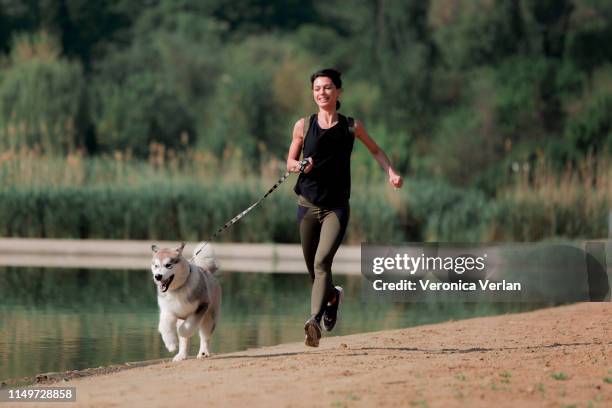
{"x": 325, "y": 140}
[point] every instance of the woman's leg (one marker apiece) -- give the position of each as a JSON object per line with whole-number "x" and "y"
{"x": 333, "y": 227}
{"x": 310, "y": 229}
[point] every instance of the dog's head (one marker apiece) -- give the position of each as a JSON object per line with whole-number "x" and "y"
{"x": 169, "y": 268}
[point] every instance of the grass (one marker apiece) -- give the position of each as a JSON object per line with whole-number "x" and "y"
{"x": 591, "y": 174}
{"x": 343, "y": 404}
{"x": 557, "y": 203}
{"x": 505, "y": 377}
{"x": 572, "y": 204}
{"x": 559, "y": 376}
{"x": 352, "y": 397}
{"x": 32, "y": 168}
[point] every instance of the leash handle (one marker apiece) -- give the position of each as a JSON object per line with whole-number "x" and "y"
{"x": 302, "y": 165}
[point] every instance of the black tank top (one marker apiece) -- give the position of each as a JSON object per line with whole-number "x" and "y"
{"x": 328, "y": 184}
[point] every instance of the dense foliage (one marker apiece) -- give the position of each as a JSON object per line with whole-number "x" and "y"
{"x": 186, "y": 211}
{"x": 472, "y": 93}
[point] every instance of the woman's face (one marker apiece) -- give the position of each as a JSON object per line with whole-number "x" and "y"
{"x": 325, "y": 93}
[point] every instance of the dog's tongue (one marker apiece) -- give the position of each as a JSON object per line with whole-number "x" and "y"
{"x": 166, "y": 284}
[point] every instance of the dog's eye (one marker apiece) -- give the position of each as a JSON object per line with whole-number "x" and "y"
{"x": 169, "y": 265}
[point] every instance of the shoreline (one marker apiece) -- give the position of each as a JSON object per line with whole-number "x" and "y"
{"x": 548, "y": 357}
{"x": 136, "y": 255}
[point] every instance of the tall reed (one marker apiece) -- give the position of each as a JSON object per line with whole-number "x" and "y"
{"x": 544, "y": 202}
{"x": 189, "y": 194}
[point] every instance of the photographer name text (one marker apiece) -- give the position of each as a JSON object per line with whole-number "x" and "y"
{"x": 482, "y": 284}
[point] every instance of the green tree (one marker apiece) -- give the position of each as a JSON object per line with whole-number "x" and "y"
{"x": 248, "y": 17}
{"x": 263, "y": 90}
{"x": 84, "y": 28}
{"x": 155, "y": 89}
{"x": 42, "y": 97}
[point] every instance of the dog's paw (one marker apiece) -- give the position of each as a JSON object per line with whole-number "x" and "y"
{"x": 203, "y": 355}
{"x": 179, "y": 357}
{"x": 171, "y": 346}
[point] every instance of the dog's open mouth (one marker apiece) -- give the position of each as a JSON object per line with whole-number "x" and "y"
{"x": 165, "y": 284}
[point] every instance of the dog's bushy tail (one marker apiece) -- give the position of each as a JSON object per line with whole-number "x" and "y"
{"x": 204, "y": 257}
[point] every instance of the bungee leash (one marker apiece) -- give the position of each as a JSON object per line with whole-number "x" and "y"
{"x": 302, "y": 165}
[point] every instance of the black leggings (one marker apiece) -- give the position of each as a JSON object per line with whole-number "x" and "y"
{"x": 321, "y": 232}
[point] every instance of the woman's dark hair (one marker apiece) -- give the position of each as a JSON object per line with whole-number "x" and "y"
{"x": 332, "y": 74}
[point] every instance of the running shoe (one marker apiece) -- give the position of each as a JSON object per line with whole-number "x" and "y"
{"x": 330, "y": 315}
{"x": 313, "y": 332}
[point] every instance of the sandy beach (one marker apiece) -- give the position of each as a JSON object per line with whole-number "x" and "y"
{"x": 553, "y": 357}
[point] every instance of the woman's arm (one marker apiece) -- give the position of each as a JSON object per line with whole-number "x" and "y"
{"x": 360, "y": 133}
{"x": 293, "y": 158}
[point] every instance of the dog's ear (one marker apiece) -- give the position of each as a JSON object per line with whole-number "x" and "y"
{"x": 154, "y": 248}
{"x": 180, "y": 248}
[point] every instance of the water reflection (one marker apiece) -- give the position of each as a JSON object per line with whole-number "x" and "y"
{"x": 57, "y": 320}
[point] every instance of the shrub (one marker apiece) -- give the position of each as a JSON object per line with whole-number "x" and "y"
{"x": 41, "y": 98}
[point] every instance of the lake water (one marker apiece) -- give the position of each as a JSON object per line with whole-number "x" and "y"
{"x": 58, "y": 320}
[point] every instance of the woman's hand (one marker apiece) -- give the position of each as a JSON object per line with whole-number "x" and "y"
{"x": 395, "y": 179}
{"x": 360, "y": 133}
{"x": 309, "y": 165}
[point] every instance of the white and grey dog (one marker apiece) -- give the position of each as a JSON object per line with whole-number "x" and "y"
{"x": 188, "y": 295}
